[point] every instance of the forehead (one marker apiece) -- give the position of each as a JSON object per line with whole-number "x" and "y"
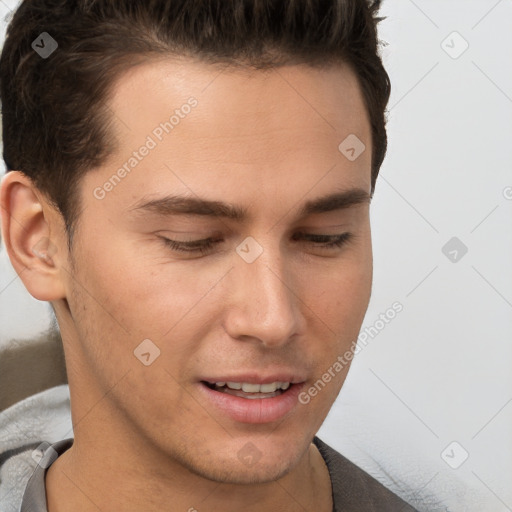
{"x": 231, "y": 99}
{"x": 227, "y": 88}
{"x": 209, "y": 125}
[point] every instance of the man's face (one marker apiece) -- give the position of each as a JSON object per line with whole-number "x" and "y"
{"x": 267, "y": 302}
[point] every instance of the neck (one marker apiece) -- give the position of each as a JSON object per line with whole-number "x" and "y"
{"x": 91, "y": 481}
{"x": 111, "y": 472}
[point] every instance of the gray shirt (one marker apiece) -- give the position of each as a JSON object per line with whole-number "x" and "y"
{"x": 353, "y": 490}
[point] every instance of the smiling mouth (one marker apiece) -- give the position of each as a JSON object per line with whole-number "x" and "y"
{"x": 250, "y": 391}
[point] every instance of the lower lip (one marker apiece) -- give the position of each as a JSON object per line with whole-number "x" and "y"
{"x": 253, "y": 410}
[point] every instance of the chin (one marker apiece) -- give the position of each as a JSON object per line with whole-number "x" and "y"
{"x": 229, "y": 472}
{"x": 245, "y": 465}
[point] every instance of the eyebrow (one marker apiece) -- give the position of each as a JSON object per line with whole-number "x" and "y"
{"x": 184, "y": 205}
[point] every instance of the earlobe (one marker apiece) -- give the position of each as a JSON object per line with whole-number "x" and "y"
{"x": 32, "y": 237}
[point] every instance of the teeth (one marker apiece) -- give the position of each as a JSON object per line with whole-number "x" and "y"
{"x": 268, "y": 388}
{"x": 251, "y": 388}
{"x": 255, "y": 388}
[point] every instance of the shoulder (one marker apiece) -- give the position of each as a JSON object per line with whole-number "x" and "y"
{"x": 354, "y": 489}
{"x": 32, "y": 423}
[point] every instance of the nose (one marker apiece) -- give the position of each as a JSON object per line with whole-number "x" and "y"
{"x": 263, "y": 305}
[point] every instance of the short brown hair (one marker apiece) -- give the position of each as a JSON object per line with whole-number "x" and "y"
{"x": 55, "y": 121}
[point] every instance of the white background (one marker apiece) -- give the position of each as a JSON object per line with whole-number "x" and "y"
{"x": 440, "y": 371}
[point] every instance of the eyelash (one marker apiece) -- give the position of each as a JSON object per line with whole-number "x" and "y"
{"x": 204, "y": 246}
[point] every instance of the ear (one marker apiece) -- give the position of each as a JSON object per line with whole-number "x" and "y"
{"x": 34, "y": 237}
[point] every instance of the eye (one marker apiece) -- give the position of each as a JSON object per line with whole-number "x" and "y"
{"x": 327, "y": 241}
{"x": 205, "y": 245}
{"x": 194, "y": 246}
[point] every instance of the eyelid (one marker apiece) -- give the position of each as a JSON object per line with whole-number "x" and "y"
{"x": 323, "y": 241}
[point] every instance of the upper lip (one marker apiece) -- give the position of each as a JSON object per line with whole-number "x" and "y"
{"x": 257, "y": 378}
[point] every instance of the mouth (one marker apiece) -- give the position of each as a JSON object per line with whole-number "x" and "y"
{"x": 249, "y": 390}
{"x": 258, "y": 402}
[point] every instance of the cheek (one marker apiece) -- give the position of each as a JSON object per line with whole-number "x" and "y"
{"x": 122, "y": 282}
{"x": 147, "y": 299}
{"x": 341, "y": 292}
